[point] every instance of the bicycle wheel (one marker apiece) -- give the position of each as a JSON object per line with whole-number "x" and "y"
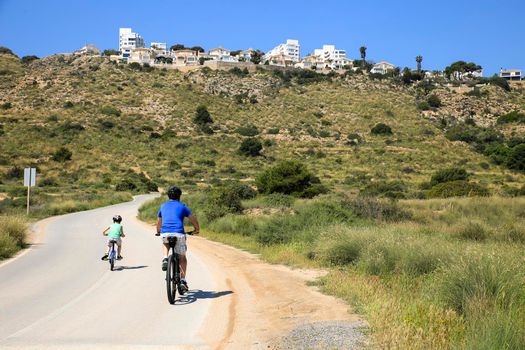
{"x": 171, "y": 278}
{"x": 111, "y": 261}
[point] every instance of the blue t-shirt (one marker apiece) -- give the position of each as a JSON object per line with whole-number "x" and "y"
{"x": 173, "y": 213}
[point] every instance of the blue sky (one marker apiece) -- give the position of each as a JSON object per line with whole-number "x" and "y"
{"x": 487, "y": 32}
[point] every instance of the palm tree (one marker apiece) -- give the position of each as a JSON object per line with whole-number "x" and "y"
{"x": 362, "y": 50}
{"x": 419, "y": 59}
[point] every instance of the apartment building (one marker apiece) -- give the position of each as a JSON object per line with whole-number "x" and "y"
{"x": 128, "y": 41}
{"x": 141, "y": 55}
{"x": 510, "y": 74}
{"x": 221, "y": 54}
{"x": 332, "y": 57}
{"x": 288, "y": 53}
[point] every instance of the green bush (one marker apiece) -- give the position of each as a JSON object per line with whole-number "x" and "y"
{"x": 135, "y": 66}
{"x": 516, "y": 158}
{"x": 62, "y": 155}
{"x": 434, "y": 101}
{"x": 392, "y": 189}
{"x": 381, "y": 129}
{"x": 288, "y": 177}
{"x": 450, "y": 174}
{"x": 278, "y": 200}
{"x": 202, "y": 116}
{"x": 457, "y": 188}
{"x": 512, "y": 117}
{"x": 108, "y": 110}
{"x": 13, "y": 232}
{"x": 251, "y": 147}
{"x": 373, "y": 208}
{"x": 473, "y": 231}
{"x": 248, "y": 130}
{"x": 273, "y": 131}
{"x": 221, "y": 201}
{"x": 239, "y": 224}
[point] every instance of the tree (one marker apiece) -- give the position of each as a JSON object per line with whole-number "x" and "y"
{"x": 288, "y": 177}
{"x": 29, "y": 59}
{"x": 419, "y": 59}
{"x": 177, "y": 47}
{"x": 462, "y": 67}
{"x": 362, "y": 50}
{"x": 197, "y": 48}
{"x": 202, "y": 116}
{"x": 257, "y": 56}
{"x": 109, "y": 52}
{"x": 235, "y": 52}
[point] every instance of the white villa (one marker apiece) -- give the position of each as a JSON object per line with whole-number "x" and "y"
{"x": 382, "y": 67}
{"x": 246, "y": 55}
{"x": 510, "y": 74}
{"x": 286, "y": 54}
{"x": 128, "y": 41}
{"x": 89, "y": 49}
{"x": 221, "y": 54}
{"x": 332, "y": 57}
{"x": 141, "y": 55}
{"x": 185, "y": 57}
{"x": 467, "y": 75}
{"x": 310, "y": 62}
{"x": 159, "y": 46}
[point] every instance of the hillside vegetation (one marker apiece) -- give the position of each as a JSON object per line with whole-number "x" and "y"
{"x": 347, "y": 172}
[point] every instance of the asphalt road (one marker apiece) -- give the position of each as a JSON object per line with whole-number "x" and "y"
{"x": 61, "y": 295}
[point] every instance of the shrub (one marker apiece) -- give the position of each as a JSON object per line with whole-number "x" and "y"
{"x": 434, "y": 101}
{"x": 15, "y": 172}
{"x": 248, "y": 130}
{"x": 343, "y": 252}
{"x": 288, "y": 177}
{"x": 354, "y": 139}
{"x": 450, "y": 174}
{"x": 68, "y": 104}
{"x": 251, "y": 147}
{"x": 512, "y": 117}
{"x": 486, "y": 281}
{"x": 108, "y": 110}
{"x": 220, "y": 202}
{"x": 392, "y": 189}
{"x": 6, "y": 51}
{"x": 273, "y": 131}
{"x": 62, "y": 155}
{"x": 107, "y": 124}
{"x": 202, "y": 116}
{"x": 373, "y": 208}
{"x": 126, "y": 185}
{"x": 135, "y": 66}
{"x": 6, "y": 105}
{"x": 381, "y": 129}
{"x": 516, "y": 158}
{"x": 278, "y": 200}
{"x": 238, "y": 224}
{"x": 28, "y": 59}
{"x": 457, "y": 188}
{"x": 473, "y": 231}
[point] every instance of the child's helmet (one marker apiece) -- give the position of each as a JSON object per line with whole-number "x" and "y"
{"x": 174, "y": 192}
{"x": 117, "y": 218}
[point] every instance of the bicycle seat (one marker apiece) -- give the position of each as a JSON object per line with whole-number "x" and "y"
{"x": 172, "y": 241}
{"x": 112, "y": 241}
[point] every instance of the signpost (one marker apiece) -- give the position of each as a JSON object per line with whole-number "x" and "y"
{"x": 29, "y": 181}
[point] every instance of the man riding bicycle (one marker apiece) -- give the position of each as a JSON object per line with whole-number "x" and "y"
{"x": 170, "y": 222}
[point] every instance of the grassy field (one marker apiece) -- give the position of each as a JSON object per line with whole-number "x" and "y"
{"x": 426, "y": 274}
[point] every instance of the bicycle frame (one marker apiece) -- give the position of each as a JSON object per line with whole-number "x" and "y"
{"x": 112, "y": 256}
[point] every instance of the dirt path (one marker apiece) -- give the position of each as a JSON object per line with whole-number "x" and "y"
{"x": 267, "y": 303}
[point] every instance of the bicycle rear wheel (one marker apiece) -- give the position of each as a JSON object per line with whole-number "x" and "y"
{"x": 112, "y": 258}
{"x": 171, "y": 278}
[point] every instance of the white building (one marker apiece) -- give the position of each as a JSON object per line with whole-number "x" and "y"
{"x": 89, "y": 49}
{"x": 382, "y": 67}
{"x": 246, "y": 55}
{"x": 222, "y": 54}
{"x": 159, "y": 46}
{"x": 510, "y": 74}
{"x": 141, "y": 55}
{"x": 283, "y": 53}
{"x": 330, "y": 57}
{"x": 129, "y": 41}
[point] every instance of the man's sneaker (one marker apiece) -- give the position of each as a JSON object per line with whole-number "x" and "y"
{"x": 105, "y": 257}
{"x": 183, "y": 287}
{"x": 119, "y": 257}
{"x": 164, "y": 264}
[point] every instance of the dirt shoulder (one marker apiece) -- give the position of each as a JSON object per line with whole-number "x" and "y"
{"x": 263, "y": 302}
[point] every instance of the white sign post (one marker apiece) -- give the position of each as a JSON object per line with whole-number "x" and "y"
{"x": 29, "y": 181}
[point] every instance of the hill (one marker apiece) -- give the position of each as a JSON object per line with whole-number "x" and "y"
{"x": 127, "y": 126}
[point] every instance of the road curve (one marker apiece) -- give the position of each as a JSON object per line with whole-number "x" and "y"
{"x": 61, "y": 295}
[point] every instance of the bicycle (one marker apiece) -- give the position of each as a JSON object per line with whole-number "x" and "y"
{"x": 112, "y": 256}
{"x": 173, "y": 270}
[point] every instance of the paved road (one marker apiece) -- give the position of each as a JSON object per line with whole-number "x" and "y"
{"x": 61, "y": 295}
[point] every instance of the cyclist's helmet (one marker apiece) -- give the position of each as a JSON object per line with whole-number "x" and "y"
{"x": 174, "y": 192}
{"x": 117, "y": 218}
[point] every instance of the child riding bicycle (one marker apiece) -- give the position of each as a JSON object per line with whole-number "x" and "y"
{"x": 114, "y": 233}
